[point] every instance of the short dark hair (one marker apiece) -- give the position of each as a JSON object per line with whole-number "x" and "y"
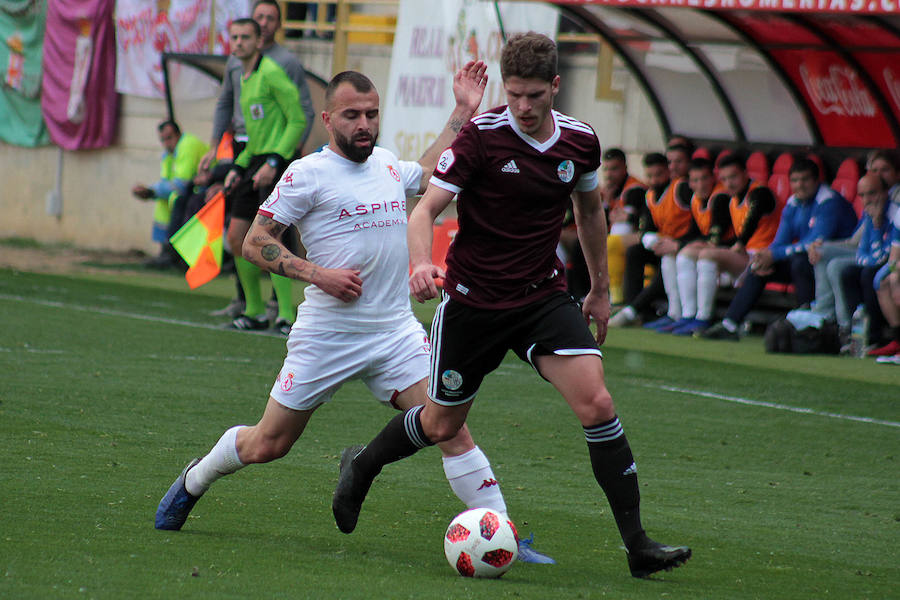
{"x": 887, "y": 156}
{"x": 682, "y": 140}
{"x": 169, "y": 123}
{"x": 655, "y": 159}
{"x": 614, "y": 154}
{"x": 248, "y": 21}
{"x": 732, "y": 160}
{"x": 679, "y": 148}
{"x": 529, "y": 55}
{"x": 701, "y": 163}
{"x": 270, "y": 3}
{"x": 805, "y": 165}
{"x": 360, "y": 83}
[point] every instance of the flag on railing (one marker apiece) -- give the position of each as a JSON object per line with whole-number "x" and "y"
{"x": 199, "y": 242}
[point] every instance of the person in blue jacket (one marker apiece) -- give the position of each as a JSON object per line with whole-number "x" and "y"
{"x": 814, "y": 212}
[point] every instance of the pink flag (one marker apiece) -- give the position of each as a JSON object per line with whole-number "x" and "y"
{"x": 79, "y": 99}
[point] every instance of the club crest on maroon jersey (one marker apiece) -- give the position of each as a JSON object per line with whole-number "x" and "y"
{"x": 566, "y": 171}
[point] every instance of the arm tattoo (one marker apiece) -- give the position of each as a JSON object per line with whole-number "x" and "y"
{"x": 270, "y": 252}
{"x": 455, "y": 125}
{"x": 273, "y": 227}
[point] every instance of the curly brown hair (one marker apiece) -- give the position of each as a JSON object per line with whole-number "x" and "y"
{"x": 529, "y": 56}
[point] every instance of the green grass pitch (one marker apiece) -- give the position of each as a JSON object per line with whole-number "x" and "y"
{"x": 781, "y": 472}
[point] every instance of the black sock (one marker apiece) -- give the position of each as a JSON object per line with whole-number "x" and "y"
{"x": 616, "y": 473}
{"x": 403, "y": 436}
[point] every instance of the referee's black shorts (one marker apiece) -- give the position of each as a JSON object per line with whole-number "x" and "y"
{"x": 243, "y": 200}
{"x": 468, "y": 342}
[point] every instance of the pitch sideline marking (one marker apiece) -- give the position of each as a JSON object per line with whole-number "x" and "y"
{"x": 667, "y": 388}
{"x": 765, "y": 404}
{"x": 119, "y": 313}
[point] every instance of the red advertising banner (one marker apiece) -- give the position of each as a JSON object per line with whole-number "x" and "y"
{"x": 862, "y": 7}
{"x": 884, "y": 68}
{"x": 842, "y": 105}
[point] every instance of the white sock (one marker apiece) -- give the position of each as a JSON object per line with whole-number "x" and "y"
{"x": 473, "y": 481}
{"x": 707, "y": 284}
{"x": 629, "y": 313}
{"x": 670, "y": 283}
{"x": 221, "y": 460}
{"x": 686, "y": 268}
{"x": 729, "y": 325}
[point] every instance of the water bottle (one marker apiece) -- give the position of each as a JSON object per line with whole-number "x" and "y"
{"x": 859, "y": 332}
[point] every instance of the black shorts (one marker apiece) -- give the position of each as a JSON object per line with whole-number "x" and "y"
{"x": 468, "y": 343}
{"x": 244, "y": 201}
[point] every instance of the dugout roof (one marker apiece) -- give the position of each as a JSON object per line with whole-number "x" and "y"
{"x": 823, "y": 73}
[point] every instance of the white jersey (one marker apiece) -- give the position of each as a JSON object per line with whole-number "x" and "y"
{"x": 351, "y": 216}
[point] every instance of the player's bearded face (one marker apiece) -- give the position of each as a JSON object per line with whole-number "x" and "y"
{"x": 352, "y": 120}
{"x": 358, "y": 146}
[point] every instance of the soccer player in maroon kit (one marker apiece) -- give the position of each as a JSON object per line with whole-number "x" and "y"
{"x": 514, "y": 169}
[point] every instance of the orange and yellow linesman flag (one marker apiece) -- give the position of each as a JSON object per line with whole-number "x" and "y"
{"x": 199, "y": 242}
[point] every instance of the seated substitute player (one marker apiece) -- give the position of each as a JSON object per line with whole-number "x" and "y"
{"x": 623, "y": 199}
{"x": 855, "y": 282}
{"x": 829, "y": 259}
{"x": 887, "y": 286}
{"x": 356, "y": 320}
{"x": 505, "y": 289}
{"x": 623, "y": 202}
{"x": 709, "y": 207}
{"x": 813, "y": 212}
{"x": 753, "y": 216}
{"x": 666, "y": 225}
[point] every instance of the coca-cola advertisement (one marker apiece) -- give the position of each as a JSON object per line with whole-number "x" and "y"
{"x": 842, "y": 104}
{"x": 884, "y": 68}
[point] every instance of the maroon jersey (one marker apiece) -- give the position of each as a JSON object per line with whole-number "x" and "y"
{"x": 513, "y": 192}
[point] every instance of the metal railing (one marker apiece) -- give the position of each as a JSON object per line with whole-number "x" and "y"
{"x": 342, "y": 28}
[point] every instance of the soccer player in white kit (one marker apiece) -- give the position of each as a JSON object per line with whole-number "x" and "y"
{"x": 349, "y": 202}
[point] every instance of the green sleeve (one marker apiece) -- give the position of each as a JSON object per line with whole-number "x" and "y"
{"x": 288, "y": 99}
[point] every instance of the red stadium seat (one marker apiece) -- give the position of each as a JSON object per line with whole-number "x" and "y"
{"x": 818, "y": 160}
{"x": 758, "y": 167}
{"x": 779, "y": 180}
{"x": 720, "y": 156}
{"x": 723, "y": 153}
{"x": 702, "y": 152}
{"x": 845, "y": 183}
{"x": 781, "y": 288}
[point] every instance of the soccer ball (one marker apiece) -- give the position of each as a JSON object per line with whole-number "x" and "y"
{"x": 481, "y": 543}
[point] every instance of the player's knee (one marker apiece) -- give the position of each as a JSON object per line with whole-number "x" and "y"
{"x": 440, "y": 431}
{"x": 596, "y": 408}
{"x": 263, "y": 450}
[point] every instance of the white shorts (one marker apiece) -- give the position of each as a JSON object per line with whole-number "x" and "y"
{"x": 318, "y": 362}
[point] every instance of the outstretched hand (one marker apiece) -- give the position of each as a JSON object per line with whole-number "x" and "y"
{"x": 469, "y": 84}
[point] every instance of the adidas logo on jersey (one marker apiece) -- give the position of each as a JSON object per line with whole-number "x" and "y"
{"x": 510, "y": 167}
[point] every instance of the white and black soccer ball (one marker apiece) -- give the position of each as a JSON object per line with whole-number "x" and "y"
{"x": 481, "y": 543}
